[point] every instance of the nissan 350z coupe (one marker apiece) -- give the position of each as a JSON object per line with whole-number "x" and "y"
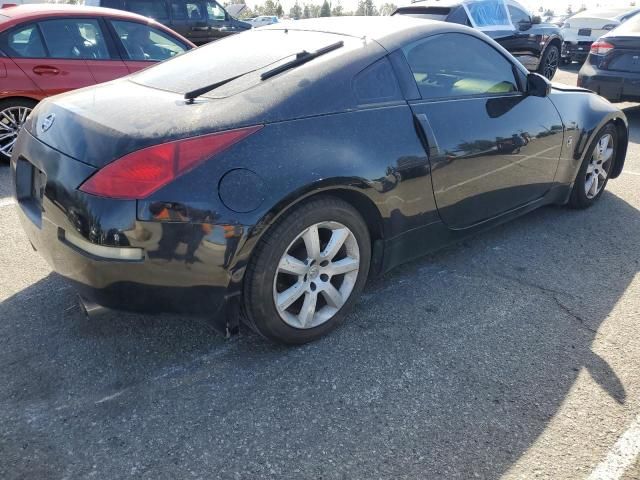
{"x": 277, "y": 169}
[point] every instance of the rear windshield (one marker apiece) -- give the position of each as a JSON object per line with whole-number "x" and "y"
{"x": 230, "y": 57}
{"x": 430, "y": 13}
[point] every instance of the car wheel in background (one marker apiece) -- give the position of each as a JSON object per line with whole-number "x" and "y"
{"x": 307, "y": 271}
{"x": 594, "y": 171}
{"x": 550, "y": 61}
{"x": 13, "y": 114}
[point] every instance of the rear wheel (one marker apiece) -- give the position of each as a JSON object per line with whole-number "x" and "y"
{"x": 307, "y": 271}
{"x": 550, "y": 61}
{"x": 595, "y": 169}
{"x": 13, "y": 114}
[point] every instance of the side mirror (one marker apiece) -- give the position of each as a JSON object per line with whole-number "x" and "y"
{"x": 523, "y": 25}
{"x": 537, "y": 85}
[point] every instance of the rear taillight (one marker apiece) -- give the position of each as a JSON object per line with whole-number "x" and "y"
{"x": 601, "y": 47}
{"x": 139, "y": 174}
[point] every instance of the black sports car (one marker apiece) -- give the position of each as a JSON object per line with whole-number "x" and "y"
{"x": 537, "y": 45}
{"x": 612, "y": 68}
{"x": 294, "y": 161}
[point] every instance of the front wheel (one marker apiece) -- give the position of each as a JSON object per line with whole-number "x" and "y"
{"x": 549, "y": 62}
{"x": 307, "y": 271}
{"x": 595, "y": 169}
{"x": 13, "y": 114}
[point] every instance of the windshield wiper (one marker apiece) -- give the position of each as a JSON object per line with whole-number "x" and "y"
{"x": 190, "y": 96}
{"x": 301, "y": 58}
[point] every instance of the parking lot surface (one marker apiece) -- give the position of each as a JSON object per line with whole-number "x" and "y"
{"x": 515, "y": 354}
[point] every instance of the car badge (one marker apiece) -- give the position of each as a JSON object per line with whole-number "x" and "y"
{"x": 47, "y": 122}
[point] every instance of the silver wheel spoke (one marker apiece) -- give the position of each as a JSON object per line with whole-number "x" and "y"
{"x": 345, "y": 265}
{"x": 5, "y": 136}
{"x": 6, "y": 149}
{"x": 594, "y": 185}
{"x": 332, "y": 296}
{"x": 292, "y": 266}
{"x": 289, "y": 296}
{"x": 606, "y": 155}
{"x": 10, "y": 118}
{"x": 296, "y": 299}
{"x": 336, "y": 241}
{"x": 602, "y": 174}
{"x": 308, "y": 309}
{"x": 311, "y": 239}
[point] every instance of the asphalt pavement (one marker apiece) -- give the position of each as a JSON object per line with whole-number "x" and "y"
{"x": 515, "y": 355}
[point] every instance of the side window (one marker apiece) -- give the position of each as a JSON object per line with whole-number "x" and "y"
{"x": 488, "y": 14}
{"x": 518, "y": 15}
{"x": 215, "y": 11}
{"x": 459, "y": 65}
{"x": 145, "y": 43}
{"x": 74, "y": 38}
{"x": 23, "y": 42}
{"x": 459, "y": 15}
{"x": 149, "y": 8}
{"x": 179, "y": 10}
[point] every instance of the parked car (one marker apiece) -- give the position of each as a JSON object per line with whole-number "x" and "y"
{"x": 557, "y": 20}
{"x": 582, "y": 29}
{"x": 536, "y": 45}
{"x": 612, "y": 68}
{"x": 201, "y": 21}
{"x": 262, "y": 20}
{"x": 50, "y": 49}
{"x": 296, "y": 159}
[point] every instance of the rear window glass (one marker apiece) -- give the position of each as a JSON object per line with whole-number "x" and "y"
{"x": 429, "y": 13}
{"x": 630, "y": 26}
{"x": 232, "y": 56}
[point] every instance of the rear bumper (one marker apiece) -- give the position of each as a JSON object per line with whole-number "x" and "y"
{"x": 614, "y": 86}
{"x": 183, "y": 267}
{"x": 576, "y": 50}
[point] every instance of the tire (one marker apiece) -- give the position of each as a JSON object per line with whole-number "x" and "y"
{"x": 596, "y": 167}
{"x": 273, "y": 281}
{"x": 13, "y": 113}
{"x": 549, "y": 62}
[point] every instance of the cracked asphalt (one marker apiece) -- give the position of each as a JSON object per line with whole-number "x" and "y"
{"x": 514, "y": 354}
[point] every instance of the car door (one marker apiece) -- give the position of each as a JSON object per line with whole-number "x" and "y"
{"x": 492, "y": 147}
{"x": 104, "y": 62}
{"x": 525, "y": 42}
{"x": 142, "y": 45}
{"x": 49, "y": 54}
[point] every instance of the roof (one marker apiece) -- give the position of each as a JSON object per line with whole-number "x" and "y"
{"x": 41, "y": 9}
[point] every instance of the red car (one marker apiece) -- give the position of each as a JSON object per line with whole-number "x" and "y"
{"x": 50, "y": 49}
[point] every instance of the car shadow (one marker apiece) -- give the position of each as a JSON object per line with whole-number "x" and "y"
{"x": 449, "y": 367}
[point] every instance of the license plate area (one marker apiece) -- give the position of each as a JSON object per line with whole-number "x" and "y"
{"x": 584, "y": 32}
{"x": 30, "y": 186}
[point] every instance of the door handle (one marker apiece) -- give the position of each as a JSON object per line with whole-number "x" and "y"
{"x": 199, "y": 29}
{"x": 45, "y": 70}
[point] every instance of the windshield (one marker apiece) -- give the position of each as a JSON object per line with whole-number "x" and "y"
{"x": 488, "y": 14}
{"x": 231, "y": 57}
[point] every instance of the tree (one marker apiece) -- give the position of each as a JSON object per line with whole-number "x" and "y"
{"x": 296, "y": 11}
{"x": 306, "y": 13}
{"x": 269, "y": 8}
{"x": 569, "y": 10}
{"x": 279, "y": 10}
{"x": 387, "y": 8}
{"x": 366, "y": 8}
{"x": 325, "y": 10}
{"x": 337, "y": 11}
{"x": 548, "y": 13}
{"x": 315, "y": 11}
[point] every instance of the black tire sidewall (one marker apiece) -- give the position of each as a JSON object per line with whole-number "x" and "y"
{"x": 258, "y": 292}
{"x": 579, "y": 197}
{"x": 543, "y": 61}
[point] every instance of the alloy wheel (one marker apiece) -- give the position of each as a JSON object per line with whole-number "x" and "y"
{"x": 316, "y": 275}
{"x": 597, "y": 170}
{"x": 11, "y": 120}
{"x": 551, "y": 63}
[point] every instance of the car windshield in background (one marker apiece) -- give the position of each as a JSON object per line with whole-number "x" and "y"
{"x": 232, "y": 57}
{"x": 488, "y": 14}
